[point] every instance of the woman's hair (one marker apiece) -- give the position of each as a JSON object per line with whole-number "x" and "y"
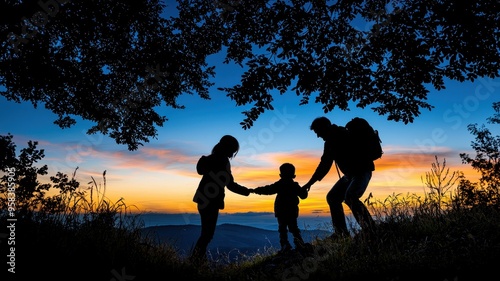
{"x": 228, "y": 146}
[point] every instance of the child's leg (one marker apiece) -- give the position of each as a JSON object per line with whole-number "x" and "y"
{"x": 283, "y": 231}
{"x": 294, "y": 229}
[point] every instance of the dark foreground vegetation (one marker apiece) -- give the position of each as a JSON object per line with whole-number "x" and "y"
{"x": 459, "y": 245}
{"x": 452, "y": 232}
{"x": 414, "y": 241}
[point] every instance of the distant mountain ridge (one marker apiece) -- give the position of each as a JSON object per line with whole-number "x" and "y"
{"x": 228, "y": 238}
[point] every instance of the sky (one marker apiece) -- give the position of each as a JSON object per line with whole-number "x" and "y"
{"x": 161, "y": 176}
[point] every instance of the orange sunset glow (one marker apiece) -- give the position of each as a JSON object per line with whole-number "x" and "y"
{"x": 146, "y": 186}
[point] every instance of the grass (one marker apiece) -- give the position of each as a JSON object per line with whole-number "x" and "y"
{"x": 106, "y": 244}
{"x": 81, "y": 235}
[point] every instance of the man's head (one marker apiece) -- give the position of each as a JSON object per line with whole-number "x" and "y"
{"x": 320, "y": 126}
{"x": 287, "y": 170}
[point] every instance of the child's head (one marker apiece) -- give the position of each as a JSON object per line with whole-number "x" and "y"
{"x": 287, "y": 170}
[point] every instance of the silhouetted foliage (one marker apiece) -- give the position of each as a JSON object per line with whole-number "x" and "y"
{"x": 381, "y": 53}
{"x": 439, "y": 182}
{"x": 107, "y": 62}
{"x": 114, "y": 63}
{"x": 486, "y": 162}
{"x": 21, "y": 175}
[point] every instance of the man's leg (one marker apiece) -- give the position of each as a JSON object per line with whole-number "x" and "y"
{"x": 355, "y": 190}
{"x": 335, "y": 197}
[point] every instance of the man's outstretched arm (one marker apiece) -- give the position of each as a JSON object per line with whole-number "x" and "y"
{"x": 323, "y": 167}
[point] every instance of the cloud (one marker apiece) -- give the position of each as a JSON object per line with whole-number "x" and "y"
{"x": 263, "y": 167}
{"x": 398, "y": 167}
{"x": 67, "y": 156}
{"x": 318, "y": 211}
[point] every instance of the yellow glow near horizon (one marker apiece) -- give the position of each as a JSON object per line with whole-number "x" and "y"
{"x": 154, "y": 189}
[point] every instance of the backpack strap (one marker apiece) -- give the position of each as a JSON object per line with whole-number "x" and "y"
{"x": 337, "y": 166}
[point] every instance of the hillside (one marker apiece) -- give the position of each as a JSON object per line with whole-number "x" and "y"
{"x": 234, "y": 239}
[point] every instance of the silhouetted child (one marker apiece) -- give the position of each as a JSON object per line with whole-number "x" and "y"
{"x": 286, "y": 205}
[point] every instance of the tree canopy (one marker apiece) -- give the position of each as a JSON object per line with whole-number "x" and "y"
{"x": 115, "y": 62}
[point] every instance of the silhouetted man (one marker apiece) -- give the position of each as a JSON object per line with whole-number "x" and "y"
{"x": 357, "y": 172}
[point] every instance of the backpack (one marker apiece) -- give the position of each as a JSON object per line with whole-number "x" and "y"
{"x": 364, "y": 138}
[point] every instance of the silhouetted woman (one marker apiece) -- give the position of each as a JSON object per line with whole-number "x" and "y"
{"x": 209, "y": 196}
